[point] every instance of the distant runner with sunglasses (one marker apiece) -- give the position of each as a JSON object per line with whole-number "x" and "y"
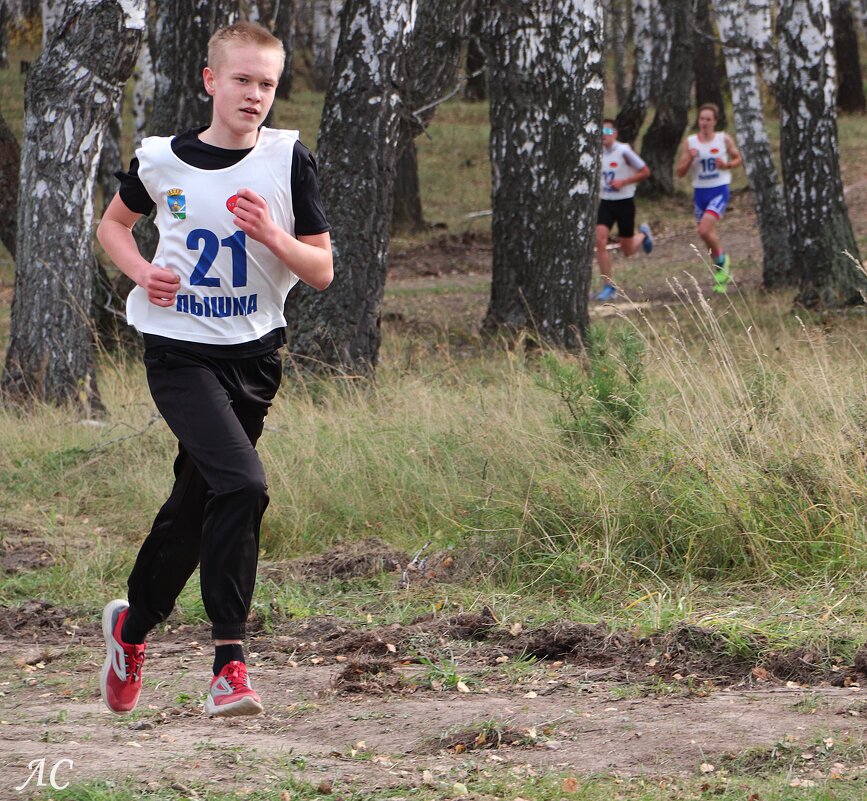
{"x": 710, "y": 155}
{"x": 622, "y": 169}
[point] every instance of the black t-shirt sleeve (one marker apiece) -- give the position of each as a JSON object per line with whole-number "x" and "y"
{"x": 310, "y": 216}
{"x": 132, "y": 191}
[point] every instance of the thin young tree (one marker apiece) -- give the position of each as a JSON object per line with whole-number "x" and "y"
{"x": 432, "y": 66}
{"x": 660, "y": 143}
{"x": 616, "y": 36}
{"x": 630, "y": 118}
{"x": 737, "y": 22}
{"x": 10, "y": 164}
{"x": 476, "y": 88}
{"x": 850, "y": 87}
{"x": 824, "y": 253}
{"x": 546, "y": 95}
{"x": 706, "y": 64}
{"x": 50, "y": 357}
{"x": 357, "y": 152}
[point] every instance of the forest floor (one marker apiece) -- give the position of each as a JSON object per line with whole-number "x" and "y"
{"x": 442, "y": 702}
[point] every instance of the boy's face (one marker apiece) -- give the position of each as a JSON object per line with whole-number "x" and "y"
{"x": 609, "y": 136}
{"x": 242, "y": 82}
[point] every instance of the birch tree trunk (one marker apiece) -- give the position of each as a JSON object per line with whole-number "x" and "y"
{"x": 180, "y": 52}
{"x": 476, "y": 89}
{"x": 820, "y": 233}
{"x": 632, "y": 112}
{"x": 546, "y": 95}
{"x": 357, "y": 151}
{"x": 432, "y": 65}
{"x": 660, "y": 143}
{"x": 71, "y": 93}
{"x": 110, "y": 156}
{"x": 325, "y": 35}
{"x": 850, "y": 88}
{"x": 52, "y": 17}
{"x": 706, "y": 66}
{"x": 283, "y": 27}
{"x": 144, "y": 86}
{"x": 616, "y": 34}
{"x": 662, "y": 34}
{"x": 10, "y": 163}
{"x": 735, "y": 20}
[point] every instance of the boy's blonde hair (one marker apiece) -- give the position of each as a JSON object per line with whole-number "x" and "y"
{"x": 243, "y": 33}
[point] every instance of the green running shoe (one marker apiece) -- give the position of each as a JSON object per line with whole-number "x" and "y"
{"x": 723, "y": 275}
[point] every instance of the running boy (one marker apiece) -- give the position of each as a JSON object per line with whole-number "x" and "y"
{"x": 240, "y": 222}
{"x": 622, "y": 169}
{"x": 710, "y": 156}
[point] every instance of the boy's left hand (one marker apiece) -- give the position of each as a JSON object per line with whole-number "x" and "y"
{"x": 252, "y": 215}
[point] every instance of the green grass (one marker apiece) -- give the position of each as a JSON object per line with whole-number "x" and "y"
{"x": 487, "y": 784}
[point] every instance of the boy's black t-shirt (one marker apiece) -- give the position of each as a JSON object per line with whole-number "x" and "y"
{"x": 306, "y": 204}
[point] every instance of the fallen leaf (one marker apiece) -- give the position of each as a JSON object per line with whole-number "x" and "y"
{"x": 531, "y": 694}
{"x": 570, "y": 785}
{"x": 460, "y": 748}
{"x": 706, "y": 767}
{"x": 516, "y": 629}
{"x": 326, "y": 786}
{"x": 460, "y": 790}
{"x": 481, "y": 739}
{"x": 284, "y": 796}
{"x": 501, "y": 659}
{"x": 391, "y": 648}
{"x": 760, "y": 674}
{"x": 462, "y": 687}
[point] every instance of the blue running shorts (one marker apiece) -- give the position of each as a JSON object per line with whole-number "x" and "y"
{"x": 711, "y": 200}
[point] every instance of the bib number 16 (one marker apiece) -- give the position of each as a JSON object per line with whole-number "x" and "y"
{"x": 210, "y": 243}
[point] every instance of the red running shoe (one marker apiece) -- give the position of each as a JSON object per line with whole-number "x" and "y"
{"x": 120, "y": 682}
{"x": 231, "y": 693}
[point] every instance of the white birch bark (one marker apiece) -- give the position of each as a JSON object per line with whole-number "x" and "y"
{"x": 71, "y": 92}
{"x": 662, "y": 37}
{"x": 143, "y": 92}
{"x": 325, "y": 35}
{"x": 734, "y": 23}
{"x": 631, "y": 115}
{"x": 546, "y": 96}
{"x": 52, "y": 16}
{"x": 357, "y": 152}
{"x": 820, "y": 233}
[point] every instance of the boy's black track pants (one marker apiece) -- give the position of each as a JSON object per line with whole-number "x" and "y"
{"x": 216, "y": 408}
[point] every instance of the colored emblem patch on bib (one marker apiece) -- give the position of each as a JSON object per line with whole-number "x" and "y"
{"x": 177, "y": 203}
{"x": 231, "y": 203}
{"x": 613, "y": 165}
{"x": 714, "y": 150}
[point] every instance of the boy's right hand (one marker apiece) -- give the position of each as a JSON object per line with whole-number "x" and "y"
{"x": 162, "y": 285}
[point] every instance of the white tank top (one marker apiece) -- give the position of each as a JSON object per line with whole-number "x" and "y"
{"x": 618, "y": 163}
{"x": 232, "y": 287}
{"x": 705, "y": 174}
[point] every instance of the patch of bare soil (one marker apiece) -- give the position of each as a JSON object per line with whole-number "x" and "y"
{"x": 359, "y": 705}
{"x": 368, "y": 557}
{"x": 20, "y": 551}
{"x": 377, "y": 721}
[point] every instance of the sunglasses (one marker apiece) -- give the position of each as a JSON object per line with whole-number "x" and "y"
{"x": 607, "y": 131}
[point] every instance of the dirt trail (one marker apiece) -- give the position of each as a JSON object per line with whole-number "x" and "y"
{"x": 368, "y": 721}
